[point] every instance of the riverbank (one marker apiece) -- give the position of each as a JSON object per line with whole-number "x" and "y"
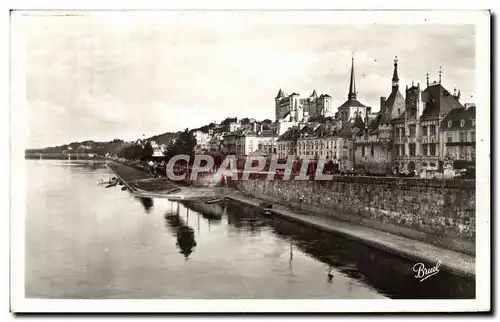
{"x": 142, "y": 185}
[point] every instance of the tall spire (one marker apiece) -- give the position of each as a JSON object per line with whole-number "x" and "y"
{"x": 395, "y": 78}
{"x": 352, "y": 85}
{"x": 427, "y": 78}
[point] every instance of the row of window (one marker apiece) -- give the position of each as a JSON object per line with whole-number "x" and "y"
{"x": 372, "y": 151}
{"x": 462, "y": 152}
{"x": 462, "y": 136}
{"x": 426, "y": 130}
{"x": 426, "y": 149}
{"x": 310, "y": 145}
{"x": 462, "y": 123}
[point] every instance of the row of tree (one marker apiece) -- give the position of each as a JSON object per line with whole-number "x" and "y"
{"x": 137, "y": 151}
{"x": 142, "y": 150}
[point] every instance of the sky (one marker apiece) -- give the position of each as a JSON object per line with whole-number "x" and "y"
{"x": 99, "y": 79}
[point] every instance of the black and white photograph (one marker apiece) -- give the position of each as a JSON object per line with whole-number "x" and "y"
{"x": 262, "y": 159}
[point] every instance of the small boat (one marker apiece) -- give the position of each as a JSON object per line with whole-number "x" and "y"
{"x": 266, "y": 213}
{"x": 217, "y": 200}
{"x": 266, "y": 205}
{"x": 112, "y": 184}
{"x": 173, "y": 190}
{"x": 124, "y": 188}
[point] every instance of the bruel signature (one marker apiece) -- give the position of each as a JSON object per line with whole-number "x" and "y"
{"x": 424, "y": 273}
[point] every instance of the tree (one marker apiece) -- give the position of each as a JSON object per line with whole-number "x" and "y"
{"x": 229, "y": 120}
{"x": 245, "y": 121}
{"x": 147, "y": 152}
{"x": 184, "y": 144}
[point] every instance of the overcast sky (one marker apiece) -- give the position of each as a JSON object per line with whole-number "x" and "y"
{"x": 89, "y": 79}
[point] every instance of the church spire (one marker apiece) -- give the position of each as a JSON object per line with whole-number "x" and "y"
{"x": 352, "y": 85}
{"x": 395, "y": 78}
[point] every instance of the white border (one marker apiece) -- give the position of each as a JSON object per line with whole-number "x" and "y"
{"x": 482, "y": 302}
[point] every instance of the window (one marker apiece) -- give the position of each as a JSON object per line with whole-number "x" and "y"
{"x": 449, "y": 123}
{"x": 412, "y": 130}
{"x": 473, "y": 122}
{"x": 424, "y": 149}
{"x": 363, "y": 151}
{"x": 463, "y": 136}
{"x": 449, "y": 138}
{"x": 403, "y": 131}
{"x": 463, "y": 152}
{"x": 372, "y": 151}
{"x": 433, "y": 129}
{"x": 402, "y": 151}
{"x": 432, "y": 149}
{"x": 462, "y": 123}
{"x": 424, "y": 130}
{"x": 473, "y": 136}
{"x": 412, "y": 149}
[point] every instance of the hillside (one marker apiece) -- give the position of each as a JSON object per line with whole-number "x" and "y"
{"x": 164, "y": 138}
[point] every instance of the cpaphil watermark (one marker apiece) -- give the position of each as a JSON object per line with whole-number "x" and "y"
{"x": 270, "y": 167}
{"x": 423, "y": 273}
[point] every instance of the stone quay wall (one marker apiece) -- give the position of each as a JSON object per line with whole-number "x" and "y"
{"x": 441, "y": 212}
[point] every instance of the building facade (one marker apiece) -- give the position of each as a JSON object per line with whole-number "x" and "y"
{"x": 458, "y": 138}
{"x": 417, "y": 131}
{"x": 373, "y": 144}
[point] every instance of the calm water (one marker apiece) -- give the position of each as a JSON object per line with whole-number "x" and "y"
{"x": 85, "y": 241}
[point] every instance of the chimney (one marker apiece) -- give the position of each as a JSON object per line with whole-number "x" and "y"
{"x": 382, "y": 103}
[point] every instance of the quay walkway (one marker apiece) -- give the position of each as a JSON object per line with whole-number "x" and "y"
{"x": 141, "y": 184}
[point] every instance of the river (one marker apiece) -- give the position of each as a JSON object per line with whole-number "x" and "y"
{"x": 85, "y": 241}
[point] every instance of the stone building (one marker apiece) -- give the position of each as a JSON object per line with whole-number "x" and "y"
{"x": 458, "y": 138}
{"x": 417, "y": 129}
{"x": 373, "y": 144}
{"x": 298, "y": 109}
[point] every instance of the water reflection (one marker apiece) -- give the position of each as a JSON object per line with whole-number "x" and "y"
{"x": 390, "y": 274}
{"x": 211, "y": 212}
{"x": 185, "y": 235}
{"x": 246, "y": 218}
{"x": 147, "y": 203}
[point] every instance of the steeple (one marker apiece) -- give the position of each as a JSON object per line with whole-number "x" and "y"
{"x": 395, "y": 78}
{"x": 352, "y": 84}
{"x": 280, "y": 94}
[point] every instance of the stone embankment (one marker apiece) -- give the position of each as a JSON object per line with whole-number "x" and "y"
{"x": 440, "y": 212}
